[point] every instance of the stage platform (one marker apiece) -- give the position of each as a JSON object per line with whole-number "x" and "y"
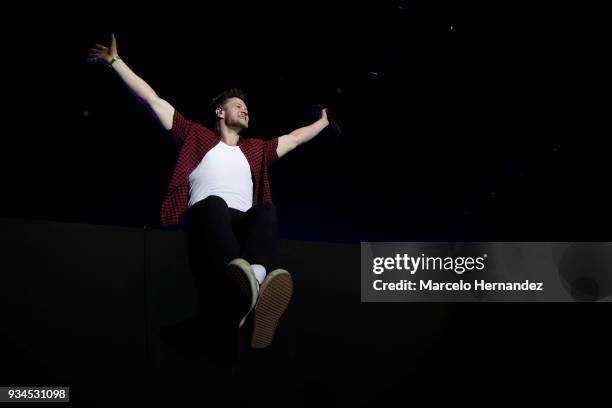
{"x": 113, "y": 313}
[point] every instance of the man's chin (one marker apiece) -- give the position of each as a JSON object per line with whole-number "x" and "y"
{"x": 239, "y": 126}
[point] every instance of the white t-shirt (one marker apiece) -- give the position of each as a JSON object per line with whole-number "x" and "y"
{"x": 225, "y": 172}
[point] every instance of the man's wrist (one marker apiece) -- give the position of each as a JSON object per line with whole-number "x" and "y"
{"x": 113, "y": 60}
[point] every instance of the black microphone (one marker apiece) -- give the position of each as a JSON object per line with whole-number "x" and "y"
{"x": 333, "y": 126}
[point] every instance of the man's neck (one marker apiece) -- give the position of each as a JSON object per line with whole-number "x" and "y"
{"x": 229, "y": 135}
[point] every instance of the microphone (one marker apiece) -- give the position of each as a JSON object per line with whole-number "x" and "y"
{"x": 333, "y": 126}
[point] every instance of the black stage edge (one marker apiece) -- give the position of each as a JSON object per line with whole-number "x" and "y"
{"x": 112, "y": 312}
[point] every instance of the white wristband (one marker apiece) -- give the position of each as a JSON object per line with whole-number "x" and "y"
{"x": 112, "y": 61}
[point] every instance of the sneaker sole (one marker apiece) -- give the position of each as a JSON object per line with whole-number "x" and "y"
{"x": 239, "y": 272}
{"x": 274, "y": 296}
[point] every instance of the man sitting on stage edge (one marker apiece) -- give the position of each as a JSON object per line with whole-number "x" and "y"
{"x": 220, "y": 194}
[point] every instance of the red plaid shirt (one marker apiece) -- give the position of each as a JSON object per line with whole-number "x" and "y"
{"x": 195, "y": 141}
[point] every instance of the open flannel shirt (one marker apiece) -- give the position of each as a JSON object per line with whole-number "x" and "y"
{"x": 195, "y": 141}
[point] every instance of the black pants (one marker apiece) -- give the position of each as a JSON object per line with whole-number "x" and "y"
{"x": 217, "y": 234}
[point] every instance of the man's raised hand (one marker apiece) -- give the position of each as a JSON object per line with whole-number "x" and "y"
{"x": 324, "y": 115}
{"x": 100, "y": 53}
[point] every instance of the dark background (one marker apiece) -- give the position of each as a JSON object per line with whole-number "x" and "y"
{"x": 493, "y": 129}
{"x": 460, "y": 120}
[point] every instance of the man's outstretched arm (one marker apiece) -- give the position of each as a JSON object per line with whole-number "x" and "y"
{"x": 161, "y": 109}
{"x": 288, "y": 142}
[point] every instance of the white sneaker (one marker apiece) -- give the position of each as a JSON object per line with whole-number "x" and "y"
{"x": 242, "y": 276}
{"x": 274, "y": 297}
